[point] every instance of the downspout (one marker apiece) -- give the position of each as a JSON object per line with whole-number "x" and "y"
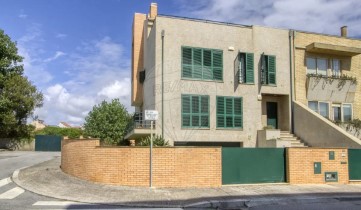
{"x": 291, "y": 45}
{"x": 163, "y": 33}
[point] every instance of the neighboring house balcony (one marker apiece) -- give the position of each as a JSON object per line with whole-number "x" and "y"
{"x": 138, "y": 128}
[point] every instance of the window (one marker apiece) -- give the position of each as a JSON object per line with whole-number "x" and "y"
{"x": 347, "y": 112}
{"x": 268, "y": 71}
{"x": 198, "y": 63}
{"x": 195, "y": 111}
{"x": 336, "y": 68}
{"x": 317, "y": 66}
{"x": 323, "y": 109}
{"x": 229, "y": 112}
{"x": 319, "y": 107}
{"x": 313, "y": 105}
{"x": 336, "y": 110}
{"x": 245, "y": 68}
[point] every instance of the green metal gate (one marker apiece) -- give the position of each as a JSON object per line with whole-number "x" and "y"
{"x": 47, "y": 143}
{"x": 354, "y": 164}
{"x": 253, "y": 165}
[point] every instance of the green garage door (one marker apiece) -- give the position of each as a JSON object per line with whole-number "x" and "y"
{"x": 47, "y": 143}
{"x": 354, "y": 164}
{"x": 253, "y": 165}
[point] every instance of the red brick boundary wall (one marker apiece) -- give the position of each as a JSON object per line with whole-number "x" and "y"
{"x": 129, "y": 166}
{"x": 300, "y": 165}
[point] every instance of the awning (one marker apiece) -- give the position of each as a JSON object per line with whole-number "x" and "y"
{"x": 333, "y": 49}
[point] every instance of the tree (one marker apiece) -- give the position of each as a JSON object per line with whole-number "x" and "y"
{"x": 107, "y": 121}
{"x": 18, "y": 97}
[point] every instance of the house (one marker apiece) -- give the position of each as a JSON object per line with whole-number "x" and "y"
{"x": 224, "y": 84}
{"x": 326, "y": 75}
{"x": 38, "y": 124}
{"x": 64, "y": 125}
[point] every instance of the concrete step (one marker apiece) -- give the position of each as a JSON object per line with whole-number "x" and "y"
{"x": 289, "y": 138}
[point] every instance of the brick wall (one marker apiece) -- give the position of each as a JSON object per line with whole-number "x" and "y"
{"x": 129, "y": 166}
{"x": 300, "y": 162}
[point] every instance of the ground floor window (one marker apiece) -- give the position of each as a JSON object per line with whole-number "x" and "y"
{"x": 341, "y": 112}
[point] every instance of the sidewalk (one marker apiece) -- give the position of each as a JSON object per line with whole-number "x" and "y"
{"x": 48, "y": 179}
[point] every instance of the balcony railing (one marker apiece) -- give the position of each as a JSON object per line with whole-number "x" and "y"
{"x": 139, "y": 123}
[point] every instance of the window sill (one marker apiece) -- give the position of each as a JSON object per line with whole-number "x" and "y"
{"x": 269, "y": 85}
{"x": 247, "y": 83}
{"x": 202, "y": 80}
{"x": 231, "y": 129}
{"x": 195, "y": 128}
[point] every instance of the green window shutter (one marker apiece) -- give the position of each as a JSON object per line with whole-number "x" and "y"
{"x": 217, "y": 62}
{"x": 249, "y": 68}
{"x": 271, "y": 69}
{"x": 204, "y": 111}
{"x": 220, "y": 112}
{"x": 186, "y": 110}
{"x": 238, "y": 113}
{"x": 195, "y": 111}
{"x": 197, "y": 63}
{"x": 187, "y": 62}
{"x": 207, "y": 65}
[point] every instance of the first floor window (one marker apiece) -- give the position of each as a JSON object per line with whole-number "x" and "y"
{"x": 317, "y": 66}
{"x": 323, "y": 109}
{"x": 347, "y": 112}
{"x": 229, "y": 112}
{"x": 336, "y": 69}
{"x": 195, "y": 111}
{"x": 336, "y": 111}
{"x": 268, "y": 71}
{"x": 245, "y": 67}
{"x": 313, "y": 105}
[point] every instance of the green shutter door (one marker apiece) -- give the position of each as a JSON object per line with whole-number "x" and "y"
{"x": 195, "y": 111}
{"x": 207, "y": 65}
{"x": 238, "y": 113}
{"x": 271, "y": 69}
{"x": 186, "y": 110}
{"x": 220, "y": 112}
{"x": 217, "y": 62}
{"x": 197, "y": 63}
{"x": 186, "y": 62}
{"x": 249, "y": 68}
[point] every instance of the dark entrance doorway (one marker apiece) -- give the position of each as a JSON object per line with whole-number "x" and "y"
{"x": 272, "y": 119}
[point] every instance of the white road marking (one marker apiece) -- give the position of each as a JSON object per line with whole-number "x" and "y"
{"x": 11, "y": 194}
{"x": 58, "y": 203}
{"x": 5, "y": 181}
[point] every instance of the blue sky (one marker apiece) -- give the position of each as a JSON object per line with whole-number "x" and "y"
{"x": 77, "y": 52}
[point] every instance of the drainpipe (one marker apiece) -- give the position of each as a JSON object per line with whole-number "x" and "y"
{"x": 291, "y": 45}
{"x": 163, "y": 33}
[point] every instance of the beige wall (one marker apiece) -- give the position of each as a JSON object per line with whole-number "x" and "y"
{"x": 137, "y": 58}
{"x": 349, "y": 65}
{"x": 178, "y": 33}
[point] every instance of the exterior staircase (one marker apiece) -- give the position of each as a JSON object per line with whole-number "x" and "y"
{"x": 292, "y": 139}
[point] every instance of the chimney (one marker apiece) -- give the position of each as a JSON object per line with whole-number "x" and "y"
{"x": 344, "y": 31}
{"x": 153, "y": 11}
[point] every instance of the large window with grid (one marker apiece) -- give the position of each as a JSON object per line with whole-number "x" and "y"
{"x": 203, "y": 64}
{"x": 229, "y": 112}
{"x": 195, "y": 111}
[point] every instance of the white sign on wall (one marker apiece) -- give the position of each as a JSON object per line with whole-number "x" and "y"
{"x": 151, "y": 115}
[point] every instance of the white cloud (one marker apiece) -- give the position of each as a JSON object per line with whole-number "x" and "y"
{"x": 61, "y": 36}
{"x": 23, "y": 16}
{"x": 323, "y": 16}
{"x": 29, "y": 46}
{"x": 97, "y": 71}
{"x": 56, "y": 56}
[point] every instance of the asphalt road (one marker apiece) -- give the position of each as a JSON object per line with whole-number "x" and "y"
{"x": 13, "y": 197}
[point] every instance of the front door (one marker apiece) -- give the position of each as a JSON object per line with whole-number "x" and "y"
{"x": 272, "y": 119}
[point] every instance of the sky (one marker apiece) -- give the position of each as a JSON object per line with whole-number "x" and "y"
{"x": 78, "y": 52}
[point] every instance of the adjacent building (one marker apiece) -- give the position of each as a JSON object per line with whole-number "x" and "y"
{"x": 224, "y": 84}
